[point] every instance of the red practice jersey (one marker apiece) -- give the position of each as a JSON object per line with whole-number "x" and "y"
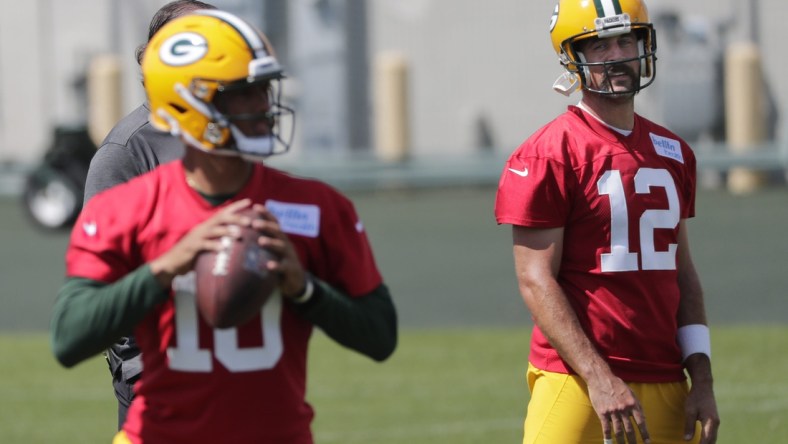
{"x": 244, "y": 384}
{"x": 619, "y": 200}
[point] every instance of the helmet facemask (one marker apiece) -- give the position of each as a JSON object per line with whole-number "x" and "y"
{"x": 213, "y": 80}
{"x": 574, "y": 22}
{"x": 225, "y": 128}
{"x": 576, "y": 63}
{"x": 222, "y": 130}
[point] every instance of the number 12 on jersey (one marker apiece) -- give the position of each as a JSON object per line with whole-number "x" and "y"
{"x": 621, "y": 257}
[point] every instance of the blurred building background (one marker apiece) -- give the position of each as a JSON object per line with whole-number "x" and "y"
{"x": 391, "y": 79}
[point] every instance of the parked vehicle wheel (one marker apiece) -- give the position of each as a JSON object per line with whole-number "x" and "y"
{"x": 51, "y": 199}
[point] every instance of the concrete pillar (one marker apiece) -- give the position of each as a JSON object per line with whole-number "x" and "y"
{"x": 392, "y": 132}
{"x": 104, "y": 94}
{"x": 745, "y": 112}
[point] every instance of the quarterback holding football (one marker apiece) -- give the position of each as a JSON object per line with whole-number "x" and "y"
{"x": 212, "y": 375}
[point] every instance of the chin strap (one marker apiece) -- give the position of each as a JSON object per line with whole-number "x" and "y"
{"x": 566, "y": 83}
{"x": 255, "y": 146}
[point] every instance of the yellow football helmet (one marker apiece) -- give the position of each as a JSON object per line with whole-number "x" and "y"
{"x": 576, "y": 20}
{"x": 197, "y": 56}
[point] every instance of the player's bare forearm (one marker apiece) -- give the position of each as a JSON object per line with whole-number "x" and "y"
{"x": 698, "y": 367}
{"x": 701, "y": 404}
{"x": 537, "y": 254}
{"x": 557, "y": 321}
{"x": 691, "y": 306}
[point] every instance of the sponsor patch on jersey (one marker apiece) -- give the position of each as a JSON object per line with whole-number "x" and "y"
{"x": 666, "y": 147}
{"x": 294, "y": 218}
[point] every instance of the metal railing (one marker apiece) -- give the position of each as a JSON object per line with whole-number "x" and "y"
{"x": 365, "y": 172}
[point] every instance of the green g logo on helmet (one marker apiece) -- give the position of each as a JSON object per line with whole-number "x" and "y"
{"x": 183, "y": 49}
{"x": 554, "y": 18}
{"x": 579, "y": 20}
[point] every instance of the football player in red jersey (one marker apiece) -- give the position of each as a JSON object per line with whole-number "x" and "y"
{"x": 213, "y": 80}
{"x": 598, "y": 200}
{"x": 131, "y": 148}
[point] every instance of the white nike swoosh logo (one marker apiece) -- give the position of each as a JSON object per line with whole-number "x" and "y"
{"x": 520, "y": 173}
{"x": 90, "y": 228}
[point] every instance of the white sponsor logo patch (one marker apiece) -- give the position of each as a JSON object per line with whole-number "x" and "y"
{"x": 667, "y": 147}
{"x": 294, "y": 218}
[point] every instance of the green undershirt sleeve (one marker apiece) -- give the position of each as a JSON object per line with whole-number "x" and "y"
{"x": 366, "y": 324}
{"x": 90, "y": 315}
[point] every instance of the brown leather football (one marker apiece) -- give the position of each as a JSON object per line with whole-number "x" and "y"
{"x": 233, "y": 284}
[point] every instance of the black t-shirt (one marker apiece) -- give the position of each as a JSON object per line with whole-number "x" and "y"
{"x": 133, "y": 147}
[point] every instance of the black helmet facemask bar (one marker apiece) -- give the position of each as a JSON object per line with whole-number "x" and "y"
{"x": 647, "y": 47}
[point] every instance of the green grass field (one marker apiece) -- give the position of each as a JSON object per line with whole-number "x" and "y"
{"x": 442, "y": 386}
{"x": 454, "y": 379}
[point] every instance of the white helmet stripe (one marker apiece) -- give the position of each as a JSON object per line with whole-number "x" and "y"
{"x": 247, "y": 32}
{"x": 607, "y": 8}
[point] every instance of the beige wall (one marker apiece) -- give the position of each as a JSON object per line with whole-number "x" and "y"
{"x": 23, "y": 90}
{"x": 497, "y": 60}
{"x": 468, "y": 58}
{"x": 44, "y": 46}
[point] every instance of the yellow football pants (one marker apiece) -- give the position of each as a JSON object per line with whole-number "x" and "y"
{"x": 560, "y": 411}
{"x": 121, "y": 438}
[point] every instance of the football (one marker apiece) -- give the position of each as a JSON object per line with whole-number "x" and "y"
{"x": 233, "y": 284}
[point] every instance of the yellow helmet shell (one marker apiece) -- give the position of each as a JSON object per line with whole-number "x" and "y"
{"x": 189, "y": 60}
{"x": 576, "y": 20}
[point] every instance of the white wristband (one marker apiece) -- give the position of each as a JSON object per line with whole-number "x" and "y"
{"x": 693, "y": 339}
{"x": 307, "y": 294}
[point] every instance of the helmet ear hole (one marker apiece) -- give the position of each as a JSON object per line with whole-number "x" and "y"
{"x": 179, "y": 109}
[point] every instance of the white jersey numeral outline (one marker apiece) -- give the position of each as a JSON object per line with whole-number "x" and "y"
{"x": 187, "y": 355}
{"x": 621, "y": 258}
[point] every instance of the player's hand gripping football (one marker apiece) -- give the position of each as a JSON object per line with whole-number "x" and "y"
{"x": 203, "y": 237}
{"x": 292, "y": 277}
{"x": 615, "y": 404}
